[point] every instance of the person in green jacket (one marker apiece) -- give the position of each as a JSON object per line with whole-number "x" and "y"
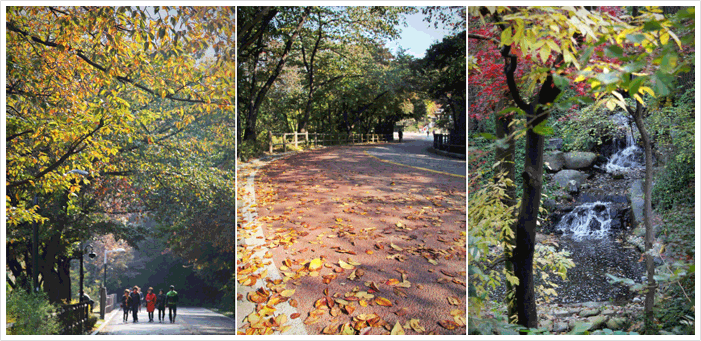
{"x": 172, "y": 303}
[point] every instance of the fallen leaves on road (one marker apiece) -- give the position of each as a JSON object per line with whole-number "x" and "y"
{"x": 412, "y": 222}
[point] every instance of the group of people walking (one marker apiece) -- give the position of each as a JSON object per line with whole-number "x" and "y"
{"x": 134, "y": 298}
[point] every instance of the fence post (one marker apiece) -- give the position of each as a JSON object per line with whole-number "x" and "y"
{"x": 270, "y": 136}
{"x": 284, "y": 142}
{"x": 306, "y": 138}
{"x": 103, "y": 300}
{"x": 295, "y": 139}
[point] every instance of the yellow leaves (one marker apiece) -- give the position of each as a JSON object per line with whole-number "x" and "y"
{"x": 345, "y": 265}
{"x": 315, "y": 264}
{"x": 645, "y": 89}
{"x": 416, "y": 326}
{"x": 288, "y": 293}
{"x": 448, "y": 324}
{"x": 348, "y": 309}
{"x": 383, "y": 301}
{"x": 397, "y": 329}
{"x": 453, "y": 300}
{"x": 392, "y": 281}
{"x": 544, "y": 53}
{"x": 506, "y": 37}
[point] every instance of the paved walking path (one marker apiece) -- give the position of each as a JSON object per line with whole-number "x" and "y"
{"x": 413, "y": 151}
{"x": 189, "y": 321}
{"x": 342, "y": 242}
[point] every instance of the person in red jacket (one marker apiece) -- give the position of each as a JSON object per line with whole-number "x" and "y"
{"x": 150, "y": 303}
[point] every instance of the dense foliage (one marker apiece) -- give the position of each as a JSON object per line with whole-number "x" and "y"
{"x": 30, "y": 314}
{"x": 566, "y": 63}
{"x": 141, "y": 100}
{"x": 328, "y": 70}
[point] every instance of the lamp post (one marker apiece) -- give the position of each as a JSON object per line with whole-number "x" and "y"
{"x": 35, "y": 248}
{"x": 92, "y": 255}
{"x": 35, "y": 236}
{"x": 103, "y": 291}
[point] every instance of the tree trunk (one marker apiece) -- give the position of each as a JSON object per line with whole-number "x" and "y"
{"x": 507, "y": 165}
{"x": 309, "y": 66}
{"x": 647, "y": 214}
{"x": 532, "y": 190}
{"x": 253, "y": 104}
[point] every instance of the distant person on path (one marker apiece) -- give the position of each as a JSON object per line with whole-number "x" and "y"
{"x": 141, "y": 296}
{"x": 126, "y": 304}
{"x": 172, "y": 303}
{"x": 150, "y": 304}
{"x": 427, "y": 132}
{"x": 135, "y": 303}
{"x": 400, "y": 135}
{"x": 161, "y": 305}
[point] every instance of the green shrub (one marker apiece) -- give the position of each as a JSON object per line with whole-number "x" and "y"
{"x": 585, "y": 131}
{"x": 672, "y": 127}
{"x": 90, "y": 324}
{"x": 675, "y": 185}
{"x": 31, "y": 313}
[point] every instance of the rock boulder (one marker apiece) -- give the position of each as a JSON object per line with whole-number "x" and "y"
{"x": 563, "y": 177}
{"x": 577, "y": 160}
{"x": 554, "y": 161}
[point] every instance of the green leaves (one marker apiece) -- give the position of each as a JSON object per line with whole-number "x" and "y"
{"x": 614, "y": 51}
{"x": 636, "y": 38}
{"x": 543, "y": 129}
{"x": 662, "y": 83}
{"x": 652, "y": 25}
{"x": 635, "y": 85}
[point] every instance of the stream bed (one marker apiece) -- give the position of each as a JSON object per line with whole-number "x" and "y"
{"x": 593, "y": 259}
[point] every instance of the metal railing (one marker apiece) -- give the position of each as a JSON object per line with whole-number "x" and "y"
{"x": 73, "y": 318}
{"x": 454, "y": 143}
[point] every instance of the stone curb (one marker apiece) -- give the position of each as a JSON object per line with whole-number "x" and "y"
{"x": 250, "y": 214}
{"x": 113, "y": 313}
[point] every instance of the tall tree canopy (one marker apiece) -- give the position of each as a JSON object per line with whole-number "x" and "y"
{"x": 327, "y": 69}
{"x": 141, "y": 98}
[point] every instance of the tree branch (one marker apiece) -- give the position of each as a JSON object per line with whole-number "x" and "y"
{"x": 14, "y": 136}
{"x": 510, "y": 63}
{"x": 81, "y": 55}
{"x": 481, "y": 37}
{"x": 71, "y": 151}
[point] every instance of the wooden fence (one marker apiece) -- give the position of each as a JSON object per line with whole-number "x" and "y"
{"x": 319, "y": 139}
{"x": 73, "y": 318}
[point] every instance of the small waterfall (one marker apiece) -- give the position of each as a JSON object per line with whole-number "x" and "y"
{"x": 628, "y": 157}
{"x": 590, "y": 220}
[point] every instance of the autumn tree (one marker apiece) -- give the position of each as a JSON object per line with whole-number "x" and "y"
{"x": 571, "y": 45}
{"x": 297, "y": 63}
{"x": 110, "y": 91}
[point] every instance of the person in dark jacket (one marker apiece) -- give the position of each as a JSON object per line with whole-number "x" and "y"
{"x": 126, "y": 304}
{"x": 135, "y": 303}
{"x": 161, "y": 305}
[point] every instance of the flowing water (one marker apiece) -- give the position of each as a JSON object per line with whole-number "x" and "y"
{"x": 629, "y": 156}
{"x": 590, "y": 220}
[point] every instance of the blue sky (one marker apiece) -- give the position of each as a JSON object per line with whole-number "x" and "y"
{"x": 417, "y": 36}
